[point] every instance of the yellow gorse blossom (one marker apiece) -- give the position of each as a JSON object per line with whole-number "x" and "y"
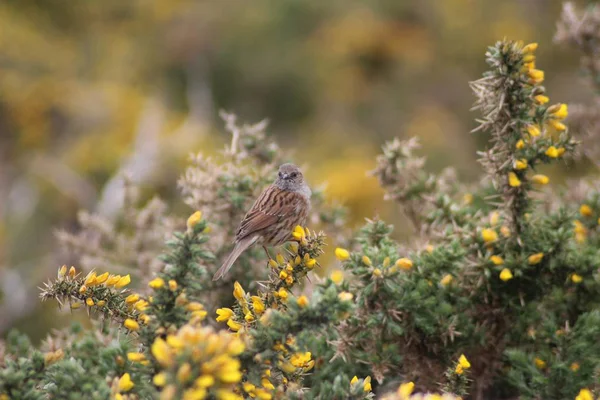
{"x": 575, "y": 278}
{"x": 533, "y": 130}
{"x": 541, "y": 364}
{"x": 506, "y": 274}
{"x": 497, "y": 260}
{"x": 489, "y": 235}
{"x": 586, "y": 210}
{"x": 238, "y": 292}
{"x": 530, "y": 48}
{"x": 298, "y": 233}
{"x": 345, "y": 296}
{"x": 136, "y": 357}
{"x": 513, "y": 180}
{"x": 125, "y": 383}
{"x": 541, "y": 99}
{"x": 540, "y": 179}
{"x": 123, "y": 281}
{"x": 257, "y": 305}
{"x": 535, "y": 258}
{"x": 337, "y": 277}
{"x": 536, "y": 76}
{"x": 585, "y": 394}
{"x": 342, "y": 254}
{"x": 404, "y": 263}
{"x": 367, "y": 384}
{"x": 446, "y": 280}
{"x": 193, "y": 220}
{"x": 405, "y": 390}
{"x": 552, "y": 152}
{"x": 520, "y": 144}
{"x": 559, "y": 111}
{"x": 156, "y": 283}
{"x": 302, "y": 301}
{"x": 520, "y": 164}
{"x": 557, "y": 125}
{"x": 131, "y": 324}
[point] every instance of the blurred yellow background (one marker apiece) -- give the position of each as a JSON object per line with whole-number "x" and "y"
{"x": 89, "y": 89}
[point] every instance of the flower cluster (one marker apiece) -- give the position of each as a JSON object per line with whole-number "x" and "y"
{"x": 525, "y": 130}
{"x": 196, "y": 363}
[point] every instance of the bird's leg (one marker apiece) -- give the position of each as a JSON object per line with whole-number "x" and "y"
{"x": 267, "y": 251}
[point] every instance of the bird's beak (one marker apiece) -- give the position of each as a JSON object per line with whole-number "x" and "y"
{"x": 285, "y": 176}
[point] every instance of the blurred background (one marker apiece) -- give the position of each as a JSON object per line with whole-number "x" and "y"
{"x": 93, "y": 89}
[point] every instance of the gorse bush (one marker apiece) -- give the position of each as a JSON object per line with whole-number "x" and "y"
{"x": 496, "y": 297}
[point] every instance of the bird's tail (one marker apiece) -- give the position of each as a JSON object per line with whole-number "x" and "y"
{"x": 238, "y": 249}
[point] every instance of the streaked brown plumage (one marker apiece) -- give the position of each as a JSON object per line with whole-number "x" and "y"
{"x": 270, "y": 221}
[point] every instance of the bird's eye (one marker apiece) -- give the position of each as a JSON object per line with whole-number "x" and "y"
{"x": 293, "y": 174}
{"x": 280, "y": 175}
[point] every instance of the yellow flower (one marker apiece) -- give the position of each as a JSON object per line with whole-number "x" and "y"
{"x": 283, "y": 274}
{"x": 459, "y": 369}
{"x": 446, "y": 280}
{"x": 367, "y": 384}
{"x": 100, "y": 303}
{"x": 302, "y": 301}
{"x": 354, "y": 380}
{"x": 520, "y": 144}
{"x": 552, "y": 152}
{"x": 112, "y": 280}
{"x": 125, "y": 383}
{"x": 156, "y": 283}
{"x": 535, "y": 258}
{"x": 586, "y": 210}
{"x": 193, "y": 220}
{"x": 404, "y": 263}
{"x": 530, "y": 48}
{"x": 162, "y": 352}
{"x": 342, "y": 254}
{"x": 310, "y": 263}
{"x": 541, "y": 364}
{"x": 536, "y": 75}
{"x": 513, "y": 180}
{"x": 345, "y": 296}
{"x": 505, "y": 231}
{"x": 238, "y": 291}
{"x": 82, "y": 289}
{"x": 72, "y": 271}
{"x": 233, "y": 325}
{"x": 91, "y": 279}
{"x": 184, "y": 372}
{"x": 283, "y": 294}
{"x": 123, "y": 281}
{"x": 559, "y": 111}
{"x": 497, "y": 260}
{"x": 337, "y": 277}
{"x": 267, "y": 384}
{"x": 533, "y": 130}
{"x": 540, "y": 179}
{"x": 131, "y": 324}
{"x": 224, "y": 314}
{"x": 576, "y": 278}
{"x": 136, "y": 357}
{"x": 506, "y": 274}
{"x": 132, "y": 298}
{"x": 141, "y": 305}
{"x": 560, "y": 151}
{"x": 258, "y": 305}
{"x": 249, "y": 317}
{"x": 574, "y": 367}
{"x": 541, "y": 99}
{"x": 62, "y": 271}
{"x": 559, "y": 126}
{"x": 462, "y": 360}
{"x": 89, "y": 301}
{"x": 585, "y": 394}
{"x": 280, "y": 259}
{"x": 160, "y": 379}
{"x": 377, "y": 272}
{"x": 405, "y": 390}
{"x": 467, "y": 198}
{"x": 298, "y": 233}
{"x": 489, "y": 235}
{"x": 520, "y": 164}
{"x": 172, "y": 285}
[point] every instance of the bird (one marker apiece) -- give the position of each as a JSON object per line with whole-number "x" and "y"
{"x": 280, "y": 207}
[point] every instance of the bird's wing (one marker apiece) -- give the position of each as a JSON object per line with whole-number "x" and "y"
{"x": 271, "y": 206}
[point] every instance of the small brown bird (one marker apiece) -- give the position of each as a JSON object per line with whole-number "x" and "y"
{"x": 270, "y": 221}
